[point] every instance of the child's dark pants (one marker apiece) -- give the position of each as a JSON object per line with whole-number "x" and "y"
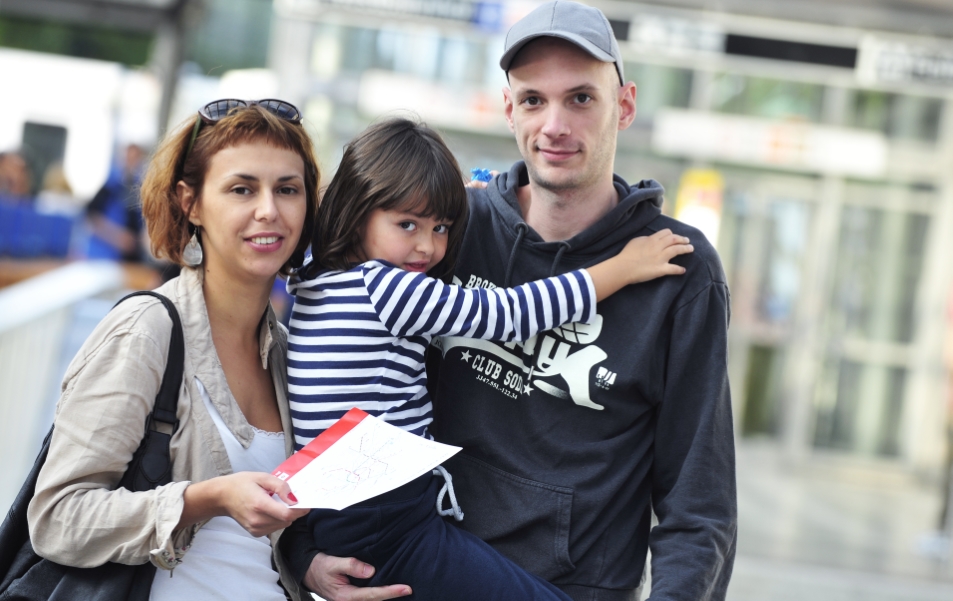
{"x": 401, "y": 535}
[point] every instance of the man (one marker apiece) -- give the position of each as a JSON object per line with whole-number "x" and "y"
{"x": 114, "y": 215}
{"x": 572, "y": 439}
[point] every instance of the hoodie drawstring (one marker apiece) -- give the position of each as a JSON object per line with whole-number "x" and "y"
{"x": 454, "y": 510}
{"x": 563, "y": 247}
{"x": 521, "y": 229}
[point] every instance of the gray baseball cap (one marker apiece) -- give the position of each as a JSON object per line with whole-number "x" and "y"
{"x": 582, "y": 25}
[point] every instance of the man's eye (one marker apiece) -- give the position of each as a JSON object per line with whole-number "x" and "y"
{"x": 583, "y": 98}
{"x": 407, "y": 225}
{"x": 532, "y": 101}
{"x": 443, "y": 228}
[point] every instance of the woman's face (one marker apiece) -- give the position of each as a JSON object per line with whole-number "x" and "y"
{"x": 251, "y": 210}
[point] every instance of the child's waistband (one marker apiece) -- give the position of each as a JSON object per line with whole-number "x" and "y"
{"x": 411, "y": 490}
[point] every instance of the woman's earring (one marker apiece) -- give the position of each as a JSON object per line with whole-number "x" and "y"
{"x": 192, "y": 255}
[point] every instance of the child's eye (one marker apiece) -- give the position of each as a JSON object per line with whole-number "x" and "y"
{"x": 407, "y": 226}
{"x": 443, "y": 228}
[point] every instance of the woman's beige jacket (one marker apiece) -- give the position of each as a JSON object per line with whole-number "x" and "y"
{"x": 76, "y": 517}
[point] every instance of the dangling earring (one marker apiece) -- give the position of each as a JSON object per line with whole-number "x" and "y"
{"x": 192, "y": 255}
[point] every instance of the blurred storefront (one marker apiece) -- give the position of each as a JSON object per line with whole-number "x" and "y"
{"x": 819, "y": 156}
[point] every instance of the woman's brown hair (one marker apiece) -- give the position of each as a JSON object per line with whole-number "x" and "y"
{"x": 168, "y": 224}
{"x": 397, "y": 164}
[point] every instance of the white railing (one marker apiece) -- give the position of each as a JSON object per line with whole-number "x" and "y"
{"x": 37, "y": 322}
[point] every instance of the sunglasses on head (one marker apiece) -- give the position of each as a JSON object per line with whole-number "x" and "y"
{"x": 217, "y": 110}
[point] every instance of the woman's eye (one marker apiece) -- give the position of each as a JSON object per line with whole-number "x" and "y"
{"x": 443, "y": 228}
{"x": 241, "y": 190}
{"x": 288, "y": 190}
{"x": 407, "y": 225}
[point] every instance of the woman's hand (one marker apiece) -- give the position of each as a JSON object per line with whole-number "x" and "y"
{"x": 246, "y": 497}
{"x": 328, "y": 577}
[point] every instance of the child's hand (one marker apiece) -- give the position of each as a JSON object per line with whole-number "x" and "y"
{"x": 481, "y": 178}
{"x": 647, "y": 257}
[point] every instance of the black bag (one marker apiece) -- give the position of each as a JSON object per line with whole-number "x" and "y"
{"x": 24, "y": 576}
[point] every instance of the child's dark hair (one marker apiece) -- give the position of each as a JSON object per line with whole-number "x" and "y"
{"x": 397, "y": 164}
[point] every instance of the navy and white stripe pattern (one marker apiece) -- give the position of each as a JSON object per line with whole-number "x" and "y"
{"x": 357, "y": 337}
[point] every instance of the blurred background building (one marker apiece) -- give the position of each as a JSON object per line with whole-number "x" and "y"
{"x": 811, "y": 140}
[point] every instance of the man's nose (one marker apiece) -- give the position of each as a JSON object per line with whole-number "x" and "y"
{"x": 556, "y": 123}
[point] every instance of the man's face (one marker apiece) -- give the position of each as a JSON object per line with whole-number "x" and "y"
{"x": 566, "y": 109}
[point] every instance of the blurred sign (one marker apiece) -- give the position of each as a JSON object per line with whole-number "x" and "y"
{"x": 764, "y": 142}
{"x": 487, "y": 14}
{"x": 666, "y": 35}
{"x": 893, "y": 61}
{"x": 699, "y": 201}
{"x": 456, "y": 107}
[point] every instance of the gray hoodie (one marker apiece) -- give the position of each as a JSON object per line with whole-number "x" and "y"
{"x": 572, "y": 438}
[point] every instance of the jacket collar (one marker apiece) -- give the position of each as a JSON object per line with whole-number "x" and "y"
{"x": 202, "y": 357}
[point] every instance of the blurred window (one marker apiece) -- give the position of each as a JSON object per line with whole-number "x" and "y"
{"x": 859, "y": 407}
{"x": 43, "y": 145}
{"x": 787, "y": 224}
{"x": 358, "y": 50}
{"x": 897, "y": 116}
{"x": 768, "y": 98}
{"x": 879, "y": 260}
{"x": 423, "y": 53}
{"x": 763, "y": 246}
{"x": 461, "y": 61}
{"x": 659, "y": 87}
{"x": 762, "y": 411}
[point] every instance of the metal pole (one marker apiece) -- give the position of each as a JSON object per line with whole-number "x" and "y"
{"x": 167, "y": 57}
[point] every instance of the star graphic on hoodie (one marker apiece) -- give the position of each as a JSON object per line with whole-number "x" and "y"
{"x": 466, "y": 356}
{"x": 527, "y": 388}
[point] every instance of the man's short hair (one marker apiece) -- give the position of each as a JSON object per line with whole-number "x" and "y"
{"x": 584, "y": 26}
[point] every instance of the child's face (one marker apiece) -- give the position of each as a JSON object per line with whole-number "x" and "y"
{"x": 405, "y": 239}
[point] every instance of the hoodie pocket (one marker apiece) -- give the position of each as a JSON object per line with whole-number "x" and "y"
{"x": 525, "y": 520}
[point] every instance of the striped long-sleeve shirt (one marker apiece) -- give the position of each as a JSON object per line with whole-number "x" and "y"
{"x": 357, "y": 337}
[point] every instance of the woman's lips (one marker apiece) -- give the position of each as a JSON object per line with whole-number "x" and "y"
{"x": 265, "y": 242}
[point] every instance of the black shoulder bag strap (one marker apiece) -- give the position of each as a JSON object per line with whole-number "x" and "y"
{"x": 151, "y": 465}
{"x": 24, "y": 576}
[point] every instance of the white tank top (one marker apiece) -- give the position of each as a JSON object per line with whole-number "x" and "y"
{"x": 225, "y": 561}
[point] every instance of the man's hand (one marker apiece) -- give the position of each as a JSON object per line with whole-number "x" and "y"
{"x": 327, "y": 577}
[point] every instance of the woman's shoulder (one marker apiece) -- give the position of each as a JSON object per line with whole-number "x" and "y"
{"x": 142, "y": 316}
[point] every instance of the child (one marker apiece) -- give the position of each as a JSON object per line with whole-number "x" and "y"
{"x": 366, "y": 310}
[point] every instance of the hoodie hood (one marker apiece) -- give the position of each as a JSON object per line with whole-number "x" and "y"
{"x": 638, "y": 206}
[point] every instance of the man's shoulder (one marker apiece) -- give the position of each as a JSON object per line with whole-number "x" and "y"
{"x": 479, "y": 199}
{"x": 704, "y": 261}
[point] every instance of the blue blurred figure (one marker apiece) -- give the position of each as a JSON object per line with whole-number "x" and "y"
{"x": 114, "y": 215}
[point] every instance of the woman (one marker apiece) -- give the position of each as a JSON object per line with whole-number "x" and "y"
{"x": 227, "y": 196}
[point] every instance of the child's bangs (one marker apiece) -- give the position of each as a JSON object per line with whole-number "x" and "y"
{"x": 430, "y": 197}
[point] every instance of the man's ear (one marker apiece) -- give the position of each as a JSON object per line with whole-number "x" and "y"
{"x": 508, "y": 107}
{"x": 186, "y": 197}
{"x": 626, "y": 105}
